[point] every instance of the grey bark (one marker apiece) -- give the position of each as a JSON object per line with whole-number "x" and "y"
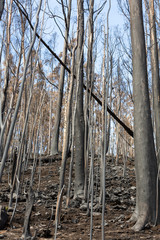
{"x": 55, "y": 138}
{"x": 88, "y": 86}
{"x": 103, "y": 139}
{"x": 110, "y": 103}
{"x": 104, "y": 128}
{"x": 118, "y": 113}
{"x": 155, "y": 75}
{"x": 145, "y": 157}
{"x": 79, "y": 118}
{"x": 67, "y": 123}
{"x": 3, "y": 97}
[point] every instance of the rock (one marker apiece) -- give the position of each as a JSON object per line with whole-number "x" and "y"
{"x": 3, "y": 218}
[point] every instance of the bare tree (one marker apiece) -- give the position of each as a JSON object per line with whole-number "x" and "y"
{"x": 3, "y": 98}
{"x": 89, "y": 85}
{"x": 104, "y": 126}
{"x": 67, "y": 121}
{"x": 79, "y": 118}
{"x": 55, "y": 138}
{"x": 145, "y": 157}
{"x": 19, "y": 96}
{"x": 155, "y": 75}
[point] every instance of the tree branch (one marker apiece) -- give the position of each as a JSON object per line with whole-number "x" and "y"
{"x": 127, "y": 129}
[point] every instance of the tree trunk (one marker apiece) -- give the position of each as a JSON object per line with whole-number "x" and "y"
{"x": 155, "y": 76}
{"x": 104, "y": 126}
{"x": 3, "y": 97}
{"x": 79, "y": 118}
{"x": 110, "y": 103}
{"x": 89, "y": 85}
{"x": 55, "y": 138}
{"x": 67, "y": 123}
{"x": 29, "y": 206}
{"x": 118, "y": 114}
{"x": 145, "y": 157}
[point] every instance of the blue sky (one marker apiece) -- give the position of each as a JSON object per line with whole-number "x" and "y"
{"x": 115, "y": 18}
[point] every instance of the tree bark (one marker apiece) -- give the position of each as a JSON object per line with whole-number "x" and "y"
{"x": 145, "y": 157}
{"x": 67, "y": 123}
{"x": 89, "y": 85}
{"x": 155, "y": 76}
{"x": 79, "y": 118}
{"x": 55, "y": 138}
{"x": 29, "y": 206}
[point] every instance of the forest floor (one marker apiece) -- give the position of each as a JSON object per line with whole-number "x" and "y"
{"x": 75, "y": 223}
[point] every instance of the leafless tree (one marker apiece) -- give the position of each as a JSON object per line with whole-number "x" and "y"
{"x": 145, "y": 157}
{"x": 55, "y": 138}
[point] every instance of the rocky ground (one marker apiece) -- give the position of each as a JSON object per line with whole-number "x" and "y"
{"x": 75, "y": 222}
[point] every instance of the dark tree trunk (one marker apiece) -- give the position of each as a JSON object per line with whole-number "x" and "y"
{"x": 2, "y": 2}
{"x": 29, "y": 205}
{"x": 145, "y": 157}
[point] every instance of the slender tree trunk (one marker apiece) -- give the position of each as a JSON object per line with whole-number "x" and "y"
{"x": 50, "y": 117}
{"x": 110, "y": 103}
{"x": 103, "y": 146}
{"x": 3, "y": 97}
{"x": 55, "y": 138}
{"x": 145, "y": 157}
{"x": 19, "y": 97}
{"x": 89, "y": 86}
{"x": 79, "y": 118}
{"x": 7, "y": 58}
{"x": 104, "y": 129}
{"x": 118, "y": 114}
{"x": 155, "y": 76}
{"x": 67, "y": 123}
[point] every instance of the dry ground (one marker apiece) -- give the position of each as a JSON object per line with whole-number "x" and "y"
{"x": 75, "y": 223}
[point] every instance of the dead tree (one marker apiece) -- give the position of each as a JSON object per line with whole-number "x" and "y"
{"x": 19, "y": 97}
{"x": 145, "y": 157}
{"x": 29, "y": 206}
{"x": 79, "y": 117}
{"x": 55, "y": 138}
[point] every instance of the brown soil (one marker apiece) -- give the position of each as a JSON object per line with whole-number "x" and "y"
{"x": 75, "y": 223}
